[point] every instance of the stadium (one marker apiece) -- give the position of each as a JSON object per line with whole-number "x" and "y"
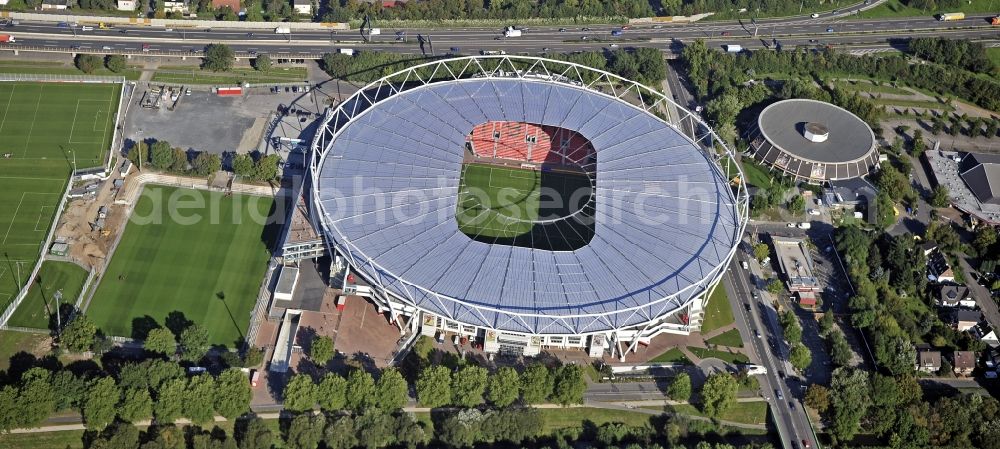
{"x": 525, "y": 204}
{"x": 813, "y": 141}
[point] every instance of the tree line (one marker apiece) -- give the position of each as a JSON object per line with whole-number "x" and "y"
{"x": 347, "y": 10}
{"x": 960, "y": 53}
{"x": 893, "y": 409}
{"x": 160, "y": 155}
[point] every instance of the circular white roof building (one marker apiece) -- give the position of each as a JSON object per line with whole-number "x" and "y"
{"x": 386, "y": 177}
{"x": 813, "y": 141}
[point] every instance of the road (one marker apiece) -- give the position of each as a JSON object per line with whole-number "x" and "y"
{"x": 860, "y": 35}
{"x": 758, "y": 325}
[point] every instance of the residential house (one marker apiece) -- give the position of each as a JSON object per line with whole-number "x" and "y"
{"x": 126, "y": 5}
{"x": 232, "y": 4}
{"x": 938, "y": 269}
{"x": 55, "y": 4}
{"x": 302, "y": 6}
{"x": 179, "y": 6}
{"x": 927, "y": 247}
{"x": 955, "y": 296}
{"x": 985, "y": 333}
{"x": 963, "y": 362}
{"x": 928, "y": 361}
{"x": 807, "y": 300}
{"x": 966, "y": 319}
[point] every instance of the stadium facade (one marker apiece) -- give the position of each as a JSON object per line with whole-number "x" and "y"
{"x": 813, "y": 141}
{"x": 385, "y": 178}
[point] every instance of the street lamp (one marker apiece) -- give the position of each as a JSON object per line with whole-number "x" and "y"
{"x": 58, "y": 297}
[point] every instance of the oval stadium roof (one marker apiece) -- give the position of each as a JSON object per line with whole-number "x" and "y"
{"x": 665, "y": 219}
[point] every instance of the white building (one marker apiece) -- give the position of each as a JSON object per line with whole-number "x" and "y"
{"x": 302, "y": 6}
{"x": 127, "y": 5}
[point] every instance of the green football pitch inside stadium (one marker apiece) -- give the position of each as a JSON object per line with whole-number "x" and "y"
{"x": 205, "y": 262}
{"x": 516, "y": 206}
{"x": 43, "y": 128}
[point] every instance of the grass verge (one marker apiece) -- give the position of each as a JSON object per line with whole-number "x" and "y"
{"x": 729, "y": 338}
{"x": 718, "y": 313}
{"x": 741, "y": 412}
{"x": 727, "y": 357}
{"x": 40, "y": 304}
{"x": 194, "y": 75}
{"x": 672, "y": 355}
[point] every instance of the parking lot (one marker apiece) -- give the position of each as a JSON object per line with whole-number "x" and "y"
{"x": 205, "y": 121}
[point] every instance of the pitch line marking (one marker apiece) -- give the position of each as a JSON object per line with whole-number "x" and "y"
{"x": 7, "y": 109}
{"x": 18, "y": 208}
{"x": 41, "y": 213}
{"x": 34, "y": 118}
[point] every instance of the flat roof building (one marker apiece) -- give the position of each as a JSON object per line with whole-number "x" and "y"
{"x": 813, "y": 141}
{"x": 797, "y": 264}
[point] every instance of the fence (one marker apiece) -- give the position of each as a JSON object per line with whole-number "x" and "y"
{"x": 41, "y": 257}
{"x": 151, "y": 53}
{"x": 61, "y": 78}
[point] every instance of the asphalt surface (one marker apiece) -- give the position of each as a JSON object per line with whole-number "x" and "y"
{"x": 825, "y": 30}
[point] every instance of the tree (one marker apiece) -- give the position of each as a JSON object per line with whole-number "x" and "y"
{"x": 243, "y": 166}
{"x": 986, "y": 237}
{"x": 680, "y": 388}
{"x": 461, "y": 429}
{"x": 232, "y": 393}
{"x": 179, "y": 160}
{"x": 360, "y": 391}
{"x": 818, "y": 397}
{"x": 774, "y": 286}
{"x": 305, "y": 431}
{"x": 568, "y": 385}
{"x": 331, "y": 392}
{"x": 207, "y": 163}
{"x": 761, "y": 251}
{"x": 118, "y": 436}
{"x": 536, "y": 384}
{"x": 136, "y": 405}
{"x": 262, "y": 63}
{"x": 199, "y": 399}
{"x": 79, "y": 334}
{"x": 797, "y": 205}
{"x": 161, "y": 341}
{"x": 321, "y": 350}
{"x": 939, "y": 196}
{"x": 826, "y": 323}
{"x": 99, "y": 403}
{"x": 371, "y": 429}
{"x": 115, "y": 63}
{"x": 849, "y": 401}
{"x": 68, "y": 390}
{"x": 790, "y": 325}
{"x": 718, "y": 394}
{"x": 885, "y": 212}
{"x": 194, "y": 343}
{"x": 253, "y": 433}
{"x": 267, "y": 167}
{"x": 162, "y": 155}
{"x": 434, "y": 386}
{"x": 87, "y": 63}
{"x": 218, "y": 58}
{"x": 503, "y": 387}
{"x": 800, "y": 356}
{"x": 169, "y": 403}
{"x": 339, "y": 432}
{"x": 468, "y": 386}
{"x": 391, "y": 391}
{"x": 138, "y": 153}
{"x": 300, "y": 393}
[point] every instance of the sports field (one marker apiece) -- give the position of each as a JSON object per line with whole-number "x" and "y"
{"x": 209, "y": 268}
{"x": 522, "y": 207}
{"x": 38, "y": 308}
{"x": 42, "y": 127}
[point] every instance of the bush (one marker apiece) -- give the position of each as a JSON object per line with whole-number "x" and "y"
{"x": 115, "y": 63}
{"x": 87, "y": 63}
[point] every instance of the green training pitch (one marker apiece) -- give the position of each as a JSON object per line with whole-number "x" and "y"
{"x": 520, "y": 207}
{"x": 42, "y": 127}
{"x": 39, "y": 306}
{"x": 208, "y": 269}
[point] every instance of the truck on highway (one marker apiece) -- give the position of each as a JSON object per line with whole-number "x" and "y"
{"x": 375, "y": 31}
{"x": 283, "y": 30}
{"x": 103, "y": 26}
{"x": 346, "y": 51}
{"x": 511, "y": 32}
{"x": 6, "y": 39}
{"x": 733, "y": 48}
{"x": 951, "y": 16}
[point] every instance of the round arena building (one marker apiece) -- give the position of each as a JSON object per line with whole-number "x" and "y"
{"x": 813, "y": 141}
{"x": 523, "y": 203}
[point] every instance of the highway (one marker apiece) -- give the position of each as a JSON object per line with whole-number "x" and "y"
{"x": 860, "y": 34}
